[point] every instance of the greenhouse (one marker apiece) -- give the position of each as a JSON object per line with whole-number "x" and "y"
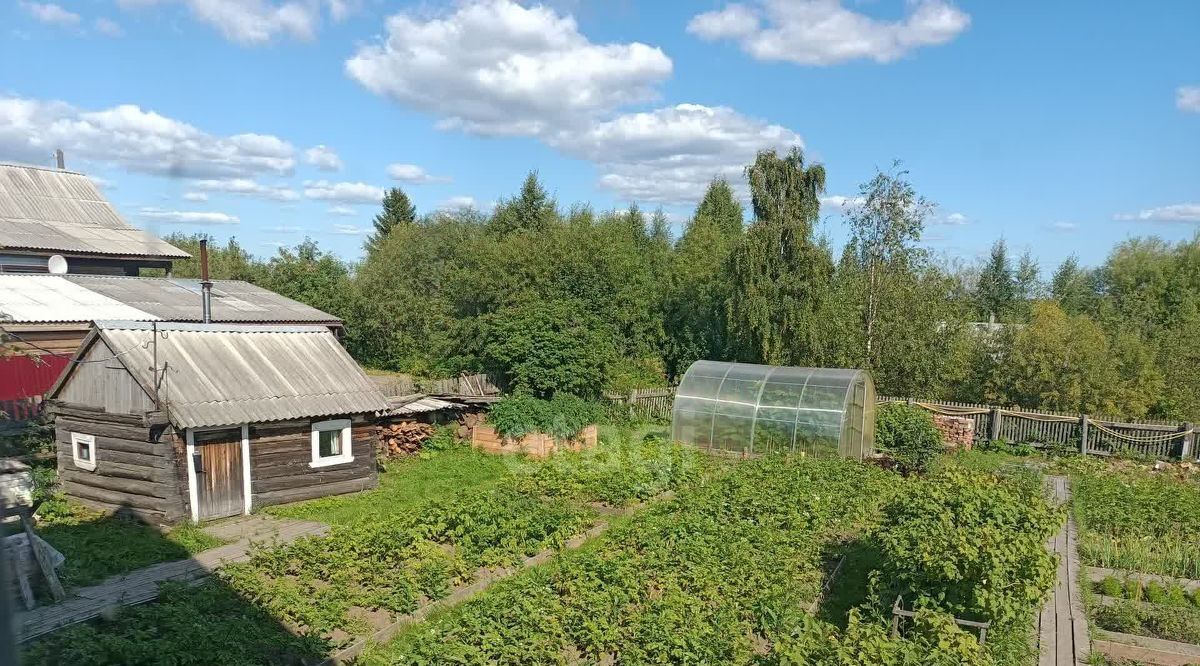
{"x": 756, "y": 409}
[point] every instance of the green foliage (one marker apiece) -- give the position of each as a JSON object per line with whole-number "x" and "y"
{"x": 676, "y": 584}
{"x": 779, "y": 276}
{"x": 1132, "y": 520}
{"x": 230, "y": 262}
{"x": 996, "y": 291}
{"x": 970, "y": 544}
{"x": 616, "y": 473}
{"x": 548, "y": 347}
{"x": 1002, "y": 445}
{"x": 171, "y": 631}
{"x": 934, "y": 640}
{"x": 99, "y": 545}
{"x": 398, "y": 210}
{"x": 908, "y": 434}
{"x": 532, "y": 210}
{"x": 1173, "y": 623}
{"x": 562, "y": 416}
{"x": 392, "y": 563}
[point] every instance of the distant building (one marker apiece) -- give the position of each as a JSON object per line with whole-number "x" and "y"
{"x": 46, "y": 317}
{"x": 46, "y": 212}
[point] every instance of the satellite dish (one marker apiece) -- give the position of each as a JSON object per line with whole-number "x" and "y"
{"x": 57, "y": 264}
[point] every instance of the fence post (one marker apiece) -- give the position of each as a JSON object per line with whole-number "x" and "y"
{"x": 1188, "y": 440}
{"x": 994, "y": 428}
{"x": 911, "y": 402}
{"x": 1083, "y": 434}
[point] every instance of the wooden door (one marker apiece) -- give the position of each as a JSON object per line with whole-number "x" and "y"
{"x": 218, "y": 464}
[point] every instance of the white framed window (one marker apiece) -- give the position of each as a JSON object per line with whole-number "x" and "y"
{"x": 83, "y": 449}
{"x": 331, "y": 443}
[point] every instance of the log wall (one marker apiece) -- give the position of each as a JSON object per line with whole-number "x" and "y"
{"x": 281, "y": 457}
{"x": 135, "y": 466}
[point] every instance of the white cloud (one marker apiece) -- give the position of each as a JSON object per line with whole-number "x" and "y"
{"x": 1184, "y": 212}
{"x": 343, "y": 192}
{"x": 102, "y": 183}
{"x": 136, "y": 139}
{"x": 497, "y": 68}
{"x": 246, "y": 187}
{"x": 350, "y": 230}
{"x": 953, "y": 219}
{"x": 324, "y": 158}
{"x": 1064, "y": 226}
{"x": 283, "y": 230}
{"x": 187, "y": 216}
{"x": 254, "y": 22}
{"x": 1187, "y": 98}
{"x": 823, "y": 32}
{"x": 670, "y": 155}
{"x": 195, "y": 196}
{"x": 342, "y": 210}
{"x": 411, "y": 173}
{"x": 48, "y": 12}
{"x": 838, "y": 204}
{"x": 455, "y": 203}
{"x": 340, "y": 9}
{"x": 108, "y": 27}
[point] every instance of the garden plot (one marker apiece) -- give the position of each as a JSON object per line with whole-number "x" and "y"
{"x": 1139, "y": 539}
{"x": 726, "y": 571}
{"x": 364, "y": 575}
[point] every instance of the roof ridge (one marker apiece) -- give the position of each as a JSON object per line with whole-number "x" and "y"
{"x": 22, "y": 165}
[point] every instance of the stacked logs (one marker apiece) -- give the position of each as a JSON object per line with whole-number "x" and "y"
{"x": 403, "y": 437}
{"x": 467, "y": 422}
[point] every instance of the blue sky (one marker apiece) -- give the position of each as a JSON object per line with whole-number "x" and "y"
{"x": 1064, "y": 127}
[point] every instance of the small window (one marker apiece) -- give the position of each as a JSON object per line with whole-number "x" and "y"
{"x": 331, "y": 443}
{"x": 83, "y": 449}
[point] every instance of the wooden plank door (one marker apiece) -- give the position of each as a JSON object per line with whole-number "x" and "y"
{"x": 218, "y": 464}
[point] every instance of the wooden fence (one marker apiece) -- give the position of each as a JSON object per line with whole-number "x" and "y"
{"x": 1096, "y": 435}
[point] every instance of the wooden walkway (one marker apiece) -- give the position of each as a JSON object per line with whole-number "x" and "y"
{"x": 1062, "y": 636}
{"x": 141, "y": 586}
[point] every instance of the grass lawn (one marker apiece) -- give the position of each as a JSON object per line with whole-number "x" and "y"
{"x": 404, "y": 485}
{"x": 97, "y": 545}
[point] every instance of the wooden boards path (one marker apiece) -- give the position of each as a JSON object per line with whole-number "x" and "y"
{"x": 141, "y": 586}
{"x": 1062, "y": 634}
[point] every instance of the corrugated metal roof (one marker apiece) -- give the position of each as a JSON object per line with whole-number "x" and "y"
{"x": 85, "y": 298}
{"x": 176, "y": 299}
{"x": 225, "y": 375}
{"x": 49, "y": 209}
{"x": 423, "y": 405}
{"x": 49, "y": 298}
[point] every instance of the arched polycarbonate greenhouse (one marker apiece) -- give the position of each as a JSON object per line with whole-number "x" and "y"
{"x": 755, "y": 409}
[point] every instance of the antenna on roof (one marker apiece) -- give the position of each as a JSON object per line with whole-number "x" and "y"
{"x": 58, "y": 158}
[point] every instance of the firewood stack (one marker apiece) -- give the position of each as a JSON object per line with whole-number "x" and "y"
{"x": 403, "y": 437}
{"x": 467, "y": 422}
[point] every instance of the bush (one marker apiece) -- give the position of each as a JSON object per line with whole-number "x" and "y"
{"x": 909, "y": 435}
{"x": 969, "y": 543}
{"x": 562, "y": 416}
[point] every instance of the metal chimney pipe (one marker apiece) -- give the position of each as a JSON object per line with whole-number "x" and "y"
{"x": 205, "y": 283}
{"x": 58, "y": 158}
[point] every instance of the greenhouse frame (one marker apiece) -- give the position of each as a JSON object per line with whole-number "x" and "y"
{"x": 750, "y": 409}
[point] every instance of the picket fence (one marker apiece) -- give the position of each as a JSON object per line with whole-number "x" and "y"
{"x": 1088, "y": 434}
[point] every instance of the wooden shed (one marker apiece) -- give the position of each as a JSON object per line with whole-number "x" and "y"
{"x": 175, "y": 421}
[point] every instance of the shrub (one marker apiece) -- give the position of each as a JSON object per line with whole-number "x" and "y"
{"x": 909, "y": 435}
{"x": 969, "y": 543}
{"x": 562, "y": 416}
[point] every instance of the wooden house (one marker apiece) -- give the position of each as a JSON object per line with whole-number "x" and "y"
{"x": 48, "y": 212}
{"x": 177, "y": 421}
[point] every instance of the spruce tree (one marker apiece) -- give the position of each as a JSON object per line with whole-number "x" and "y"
{"x": 397, "y": 210}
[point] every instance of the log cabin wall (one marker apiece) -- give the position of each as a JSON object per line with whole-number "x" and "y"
{"x": 135, "y": 465}
{"x": 281, "y": 457}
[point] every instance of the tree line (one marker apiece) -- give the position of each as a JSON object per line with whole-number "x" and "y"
{"x": 571, "y": 300}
